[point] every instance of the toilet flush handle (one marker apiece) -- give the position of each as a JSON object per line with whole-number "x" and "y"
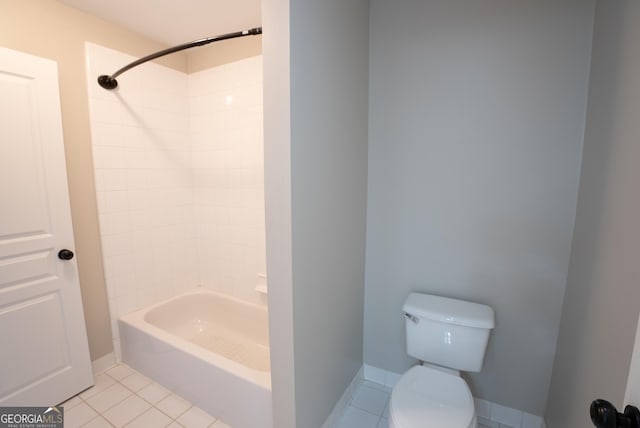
{"x": 414, "y": 319}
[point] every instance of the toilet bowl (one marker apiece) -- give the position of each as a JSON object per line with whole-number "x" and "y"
{"x": 428, "y": 397}
{"x": 449, "y": 335}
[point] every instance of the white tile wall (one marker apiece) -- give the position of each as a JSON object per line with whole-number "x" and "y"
{"x": 178, "y": 168}
{"x": 225, "y": 112}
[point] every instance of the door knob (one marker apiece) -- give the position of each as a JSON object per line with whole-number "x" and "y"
{"x": 605, "y": 415}
{"x": 65, "y": 254}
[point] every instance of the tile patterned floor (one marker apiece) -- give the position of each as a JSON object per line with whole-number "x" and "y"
{"x": 369, "y": 408}
{"x": 122, "y": 397}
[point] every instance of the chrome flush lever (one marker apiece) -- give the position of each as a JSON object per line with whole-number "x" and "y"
{"x": 412, "y": 318}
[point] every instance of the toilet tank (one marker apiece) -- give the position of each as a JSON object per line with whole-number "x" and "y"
{"x": 448, "y": 332}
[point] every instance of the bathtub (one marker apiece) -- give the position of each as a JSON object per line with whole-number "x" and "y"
{"x": 209, "y": 348}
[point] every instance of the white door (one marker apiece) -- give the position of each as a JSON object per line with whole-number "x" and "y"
{"x": 44, "y": 356}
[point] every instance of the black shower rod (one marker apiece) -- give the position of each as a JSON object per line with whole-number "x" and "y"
{"x": 110, "y": 82}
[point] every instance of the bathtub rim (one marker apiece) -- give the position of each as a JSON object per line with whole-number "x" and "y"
{"x": 136, "y": 320}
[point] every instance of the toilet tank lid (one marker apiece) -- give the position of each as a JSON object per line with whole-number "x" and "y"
{"x": 452, "y": 311}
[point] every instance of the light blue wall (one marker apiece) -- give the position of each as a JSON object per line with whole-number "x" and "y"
{"x": 476, "y": 120}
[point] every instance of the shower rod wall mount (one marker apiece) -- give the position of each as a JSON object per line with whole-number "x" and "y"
{"x": 110, "y": 82}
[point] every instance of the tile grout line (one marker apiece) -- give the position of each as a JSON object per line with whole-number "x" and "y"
{"x": 131, "y": 393}
{"x": 381, "y": 416}
{"x": 388, "y": 379}
{"x": 351, "y": 403}
{"x": 147, "y": 401}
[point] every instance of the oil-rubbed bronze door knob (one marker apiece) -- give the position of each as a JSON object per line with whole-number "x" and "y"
{"x": 65, "y": 254}
{"x": 605, "y": 415}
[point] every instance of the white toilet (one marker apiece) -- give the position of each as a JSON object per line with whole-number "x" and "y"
{"x": 446, "y": 335}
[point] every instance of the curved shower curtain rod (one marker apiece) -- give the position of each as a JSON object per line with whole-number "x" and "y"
{"x": 110, "y": 82}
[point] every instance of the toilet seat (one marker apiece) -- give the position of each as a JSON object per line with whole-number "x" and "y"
{"x": 427, "y": 397}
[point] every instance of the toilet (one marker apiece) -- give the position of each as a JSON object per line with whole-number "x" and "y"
{"x": 447, "y": 336}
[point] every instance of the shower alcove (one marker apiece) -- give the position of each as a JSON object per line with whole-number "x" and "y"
{"x": 178, "y": 162}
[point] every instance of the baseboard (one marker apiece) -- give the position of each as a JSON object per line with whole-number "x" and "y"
{"x": 338, "y": 410}
{"x": 383, "y": 377}
{"x": 103, "y": 363}
{"x": 488, "y": 413}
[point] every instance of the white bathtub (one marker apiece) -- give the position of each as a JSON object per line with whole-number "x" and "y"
{"x": 209, "y": 348}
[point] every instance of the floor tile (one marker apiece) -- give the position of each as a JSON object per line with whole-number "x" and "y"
{"x": 98, "y": 422}
{"x": 71, "y": 403}
{"x": 120, "y": 371}
{"x": 108, "y": 398}
{"x": 152, "y": 418}
{"x": 135, "y": 401}
{"x": 195, "y": 417}
{"x": 153, "y": 393}
{"x": 101, "y": 382}
{"x": 126, "y": 411}
{"x": 135, "y": 381}
{"x": 78, "y": 415}
{"x": 357, "y": 418}
{"x": 173, "y": 406}
{"x": 371, "y": 400}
